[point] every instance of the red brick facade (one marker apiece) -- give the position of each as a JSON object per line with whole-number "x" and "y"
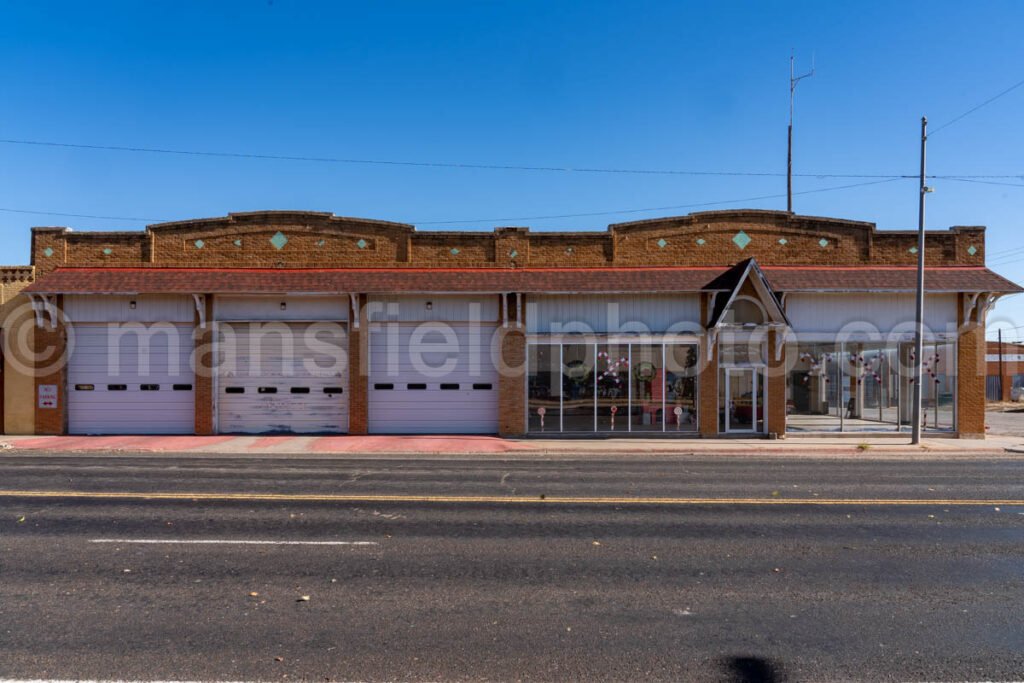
{"x": 50, "y": 348}
{"x": 971, "y": 375}
{"x": 512, "y": 380}
{"x": 298, "y": 240}
{"x": 358, "y": 369}
{"x": 322, "y": 240}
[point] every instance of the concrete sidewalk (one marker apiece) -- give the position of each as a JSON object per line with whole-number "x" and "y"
{"x": 326, "y": 446}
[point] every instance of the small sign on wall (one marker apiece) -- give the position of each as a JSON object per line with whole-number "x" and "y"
{"x": 47, "y": 395}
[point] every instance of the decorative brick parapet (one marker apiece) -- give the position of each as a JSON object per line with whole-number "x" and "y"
{"x": 290, "y": 239}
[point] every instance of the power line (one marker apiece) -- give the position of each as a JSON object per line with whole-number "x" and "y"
{"x": 982, "y": 182}
{"x": 1005, "y": 263}
{"x": 977, "y": 107}
{"x": 430, "y": 164}
{"x": 84, "y": 215}
{"x": 1007, "y": 257}
{"x": 485, "y": 220}
{"x": 1007, "y": 252}
{"x": 474, "y": 166}
{"x": 962, "y": 176}
{"x": 654, "y": 208}
{"x": 1005, "y": 329}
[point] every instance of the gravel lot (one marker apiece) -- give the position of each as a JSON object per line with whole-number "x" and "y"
{"x": 1005, "y": 418}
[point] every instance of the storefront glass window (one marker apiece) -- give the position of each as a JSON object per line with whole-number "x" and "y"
{"x": 872, "y": 385}
{"x": 578, "y": 387}
{"x": 624, "y": 388}
{"x": 681, "y": 387}
{"x": 812, "y": 389}
{"x": 938, "y": 393}
{"x": 868, "y": 387}
{"x": 543, "y": 388}
{"x": 613, "y": 387}
{"x": 647, "y": 372}
{"x": 761, "y": 399}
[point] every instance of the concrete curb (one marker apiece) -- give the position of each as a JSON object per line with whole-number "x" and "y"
{"x": 748, "y": 454}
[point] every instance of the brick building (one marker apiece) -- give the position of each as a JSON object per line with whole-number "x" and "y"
{"x": 1011, "y": 388}
{"x": 717, "y": 323}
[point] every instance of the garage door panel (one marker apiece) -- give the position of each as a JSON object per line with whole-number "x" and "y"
{"x": 432, "y": 375}
{"x": 153, "y": 374}
{"x": 251, "y": 360}
{"x": 105, "y": 355}
{"x": 416, "y": 398}
{"x": 135, "y": 400}
{"x": 307, "y": 406}
{"x": 395, "y": 408}
{"x": 427, "y": 427}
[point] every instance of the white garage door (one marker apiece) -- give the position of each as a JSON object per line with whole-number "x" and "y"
{"x": 131, "y": 379}
{"x": 282, "y": 377}
{"x": 432, "y": 378}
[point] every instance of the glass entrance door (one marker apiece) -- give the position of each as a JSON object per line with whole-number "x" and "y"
{"x": 742, "y": 407}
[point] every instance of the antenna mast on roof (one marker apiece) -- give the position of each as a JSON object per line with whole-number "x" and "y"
{"x": 793, "y": 80}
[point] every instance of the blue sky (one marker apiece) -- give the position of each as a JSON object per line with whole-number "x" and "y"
{"x": 645, "y": 85}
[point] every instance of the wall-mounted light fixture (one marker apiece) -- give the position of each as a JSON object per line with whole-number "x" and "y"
{"x": 284, "y": 305}
{"x": 430, "y": 305}
{"x": 131, "y": 305}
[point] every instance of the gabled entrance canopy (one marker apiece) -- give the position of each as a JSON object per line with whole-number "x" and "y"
{"x": 744, "y": 282}
{"x": 743, "y": 299}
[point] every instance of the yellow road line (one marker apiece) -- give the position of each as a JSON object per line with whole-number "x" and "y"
{"x": 557, "y": 500}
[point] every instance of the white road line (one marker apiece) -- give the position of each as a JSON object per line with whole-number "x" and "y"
{"x": 185, "y": 541}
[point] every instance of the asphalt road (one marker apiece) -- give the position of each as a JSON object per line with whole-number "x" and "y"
{"x": 773, "y": 588}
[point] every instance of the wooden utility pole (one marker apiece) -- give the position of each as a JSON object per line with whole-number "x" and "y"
{"x": 1002, "y": 396}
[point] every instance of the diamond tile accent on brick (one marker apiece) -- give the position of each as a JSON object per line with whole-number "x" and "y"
{"x": 912, "y": 250}
{"x": 823, "y": 243}
{"x": 108, "y": 251}
{"x": 454, "y": 251}
{"x": 741, "y": 239}
{"x": 361, "y": 244}
{"x": 972, "y": 250}
{"x": 783, "y": 241}
{"x": 701, "y": 241}
{"x": 513, "y": 253}
{"x": 279, "y": 240}
{"x": 238, "y": 243}
{"x": 200, "y": 244}
{"x": 48, "y": 252}
{"x": 662, "y": 243}
{"x": 321, "y": 243}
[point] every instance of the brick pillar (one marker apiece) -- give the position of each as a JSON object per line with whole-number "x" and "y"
{"x": 512, "y": 375}
{"x": 707, "y": 383}
{"x": 49, "y": 349}
{"x": 776, "y": 378}
{"x": 358, "y": 369}
{"x": 970, "y": 378}
{"x": 707, "y": 387}
{"x": 206, "y": 367}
